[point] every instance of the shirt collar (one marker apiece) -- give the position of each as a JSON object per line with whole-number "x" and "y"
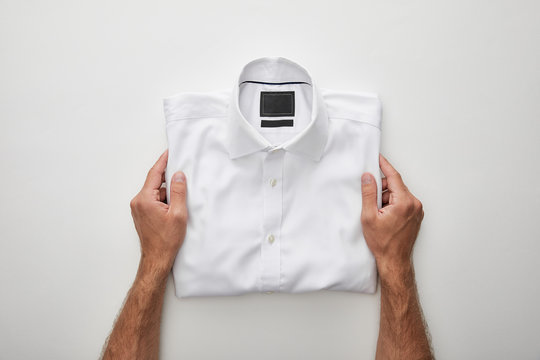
{"x": 243, "y": 138}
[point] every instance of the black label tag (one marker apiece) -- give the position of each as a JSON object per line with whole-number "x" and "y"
{"x": 277, "y": 103}
{"x": 276, "y": 123}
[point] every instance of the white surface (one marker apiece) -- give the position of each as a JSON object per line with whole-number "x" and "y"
{"x": 81, "y": 122}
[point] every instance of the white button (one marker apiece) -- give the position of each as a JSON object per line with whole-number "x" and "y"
{"x": 273, "y": 182}
{"x": 271, "y": 238}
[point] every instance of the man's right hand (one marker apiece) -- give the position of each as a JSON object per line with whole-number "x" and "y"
{"x": 391, "y": 231}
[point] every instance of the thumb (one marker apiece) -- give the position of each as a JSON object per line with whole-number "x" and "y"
{"x": 177, "y": 199}
{"x": 369, "y": 197}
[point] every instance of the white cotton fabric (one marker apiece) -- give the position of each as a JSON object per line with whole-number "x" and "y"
{"x": 273, "y": 209}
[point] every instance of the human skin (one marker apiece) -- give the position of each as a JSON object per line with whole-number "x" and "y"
{"x": 161, "y": 229}
{"x": 390, "y": 233}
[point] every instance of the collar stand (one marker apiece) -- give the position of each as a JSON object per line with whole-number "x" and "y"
{"x": 274, "y": 69}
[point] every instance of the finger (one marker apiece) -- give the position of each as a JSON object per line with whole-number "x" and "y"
{"x": 156, "y": 173}
{"x": 162, "y": 194}
{"x": 155, "y": 194}
{"x": 177, "y": 203}
{"x": 387, "y": 168}
{"x": 384, "y": 184}
{"x": 369, "y": 197}
{"x": 393, "y": 178}
{"x": 386, "y": 197}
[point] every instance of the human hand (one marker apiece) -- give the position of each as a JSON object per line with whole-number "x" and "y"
{"x": 161, "y": 227}
{"x": 391, "y": 231}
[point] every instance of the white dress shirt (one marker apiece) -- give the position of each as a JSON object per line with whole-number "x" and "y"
{"x": 273, "y": 170}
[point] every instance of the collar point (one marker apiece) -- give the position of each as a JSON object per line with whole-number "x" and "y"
{"x": 316, "y": 158}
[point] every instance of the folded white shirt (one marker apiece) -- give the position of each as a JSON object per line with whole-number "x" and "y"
{"x": 273, "y": 170}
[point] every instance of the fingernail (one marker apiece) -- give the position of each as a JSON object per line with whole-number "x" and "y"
{"x": 179, "y": 177}
{"x": 366, "y": 179}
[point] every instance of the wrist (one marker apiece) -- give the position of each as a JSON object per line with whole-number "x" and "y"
{"x": 153, "y": 271}
{"x": 393, "y": 273}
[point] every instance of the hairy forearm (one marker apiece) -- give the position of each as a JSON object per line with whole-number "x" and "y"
{"x": 136, "y": 332}
{"x": 402, "y": 333}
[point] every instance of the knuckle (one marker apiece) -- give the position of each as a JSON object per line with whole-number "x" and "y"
{"x": 371, "y": 191}
{"x": 179, "y": 190}
{"x": 367, "y": 218}
{"x": 364, "y": 219}
{"x": 409, "y": 206}
{"x": 138, "y": 204}
{"x": 180, "y": 216}
{"x": 134, "y": 203}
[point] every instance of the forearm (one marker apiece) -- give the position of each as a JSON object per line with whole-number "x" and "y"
{"x": 136, "y": 332}
{"x": 402, "y": 333}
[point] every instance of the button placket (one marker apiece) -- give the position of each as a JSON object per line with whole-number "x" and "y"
{"x": 273, "y": 200}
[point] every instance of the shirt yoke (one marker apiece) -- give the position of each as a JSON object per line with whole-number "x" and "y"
{"x": 347, "y": 105}
{"x": 353, "y": 105}
{"x": 193, "y": 105}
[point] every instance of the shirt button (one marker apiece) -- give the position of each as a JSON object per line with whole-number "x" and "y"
{"x": 271, "y": 238}
{"x": 273, "y": 182}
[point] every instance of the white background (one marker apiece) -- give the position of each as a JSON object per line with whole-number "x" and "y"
{"x": 81, "y": 88}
